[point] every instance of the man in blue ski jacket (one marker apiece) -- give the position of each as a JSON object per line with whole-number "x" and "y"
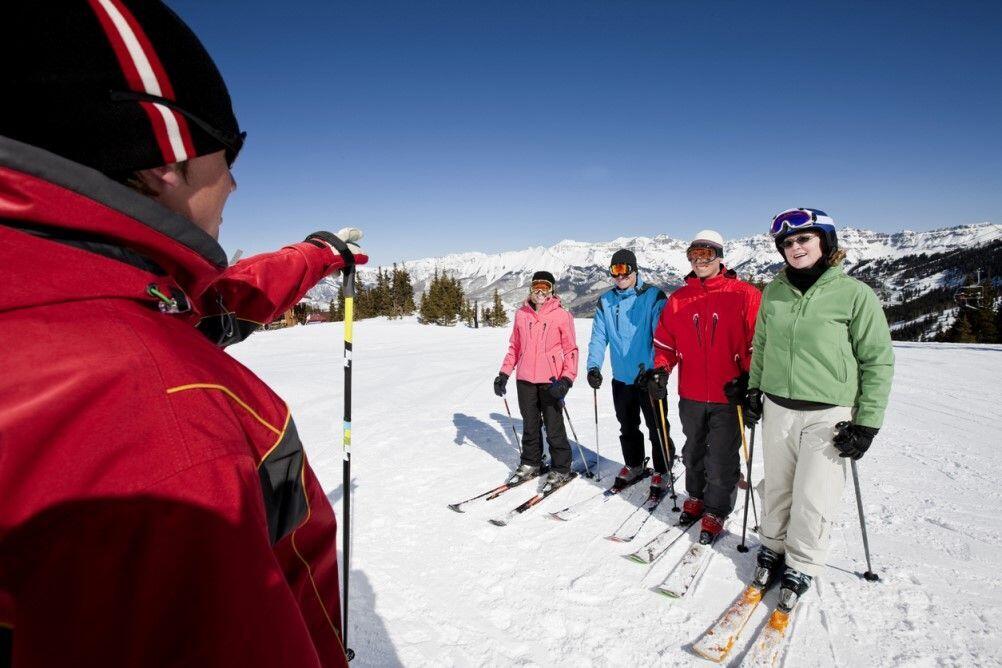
{"x": 625, "y": 320}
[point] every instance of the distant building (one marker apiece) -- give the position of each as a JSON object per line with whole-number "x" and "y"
{"x": 317, "y": 317}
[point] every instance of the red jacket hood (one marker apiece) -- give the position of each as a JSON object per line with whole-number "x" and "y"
{"x": 44, "y": 196}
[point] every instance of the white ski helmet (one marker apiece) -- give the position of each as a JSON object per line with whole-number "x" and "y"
{"x": 709, "y": 239}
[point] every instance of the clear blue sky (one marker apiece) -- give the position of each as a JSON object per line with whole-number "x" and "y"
{"x": 491, "y": 125}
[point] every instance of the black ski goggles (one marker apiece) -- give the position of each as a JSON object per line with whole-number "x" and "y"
{"x": 232, "y": 142}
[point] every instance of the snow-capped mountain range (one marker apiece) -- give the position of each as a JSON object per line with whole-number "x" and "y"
{"x": 581, "y": 267}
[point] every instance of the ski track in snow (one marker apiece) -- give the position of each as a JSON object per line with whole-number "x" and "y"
{"x": 430, "y": 587}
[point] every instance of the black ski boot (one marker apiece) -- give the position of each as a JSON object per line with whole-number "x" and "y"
{"x": 795, "y": 584}
{"x": 521, "y": 474}
{"x": 769, "y": 569}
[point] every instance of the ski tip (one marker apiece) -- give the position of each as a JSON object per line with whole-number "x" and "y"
{"x": 557, "y": 516}
{"x": 665, "y": 592}
{"x": 455, "y": 506}
{"x": 635, "y": 559}
{"x": 614, "y": 539}
{"x": 498, "y": 523}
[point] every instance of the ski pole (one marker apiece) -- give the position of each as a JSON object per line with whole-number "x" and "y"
{"x": 748, "y": 490}
{"x": 511, "y": 421}
{"x": 588, "y": 473}
{"x": 869, "y": 575}
{"x": 665, "y": 451}
{"x": 598, "y": 451}
{"x": 669, "y": 459}
{"x": 348, "y": 290}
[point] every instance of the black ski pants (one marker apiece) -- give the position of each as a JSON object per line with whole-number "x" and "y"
{"x": 630, "y": 401}
{"x": 538, "y": 407}
{"x": 711, "y": 457}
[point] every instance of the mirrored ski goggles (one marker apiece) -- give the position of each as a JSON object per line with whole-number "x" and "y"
{"x": 701, "y": 254}
{"x": 620, "y": 270}
{"x": 543, "y": 287}
{"x": 796, "y": 218}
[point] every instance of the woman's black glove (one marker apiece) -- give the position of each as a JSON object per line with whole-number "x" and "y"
{"x": 558, "y": 388}
{"x": 594, "y": 378}
{"x": 655, "y": 381}
{"x": 500, "y": 384}
{"x": 752, "y": 406}
{"x": 735, "y": 389}
{"x": 853, "y": 440}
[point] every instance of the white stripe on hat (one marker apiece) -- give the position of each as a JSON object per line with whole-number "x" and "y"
{"x": 149, "y": 78}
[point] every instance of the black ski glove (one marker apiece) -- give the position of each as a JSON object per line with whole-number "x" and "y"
{"x": 853, "y": 440}
{"x": 735, "y": 389}
{"x": 594, "y": 378}
{"x": 559, "y": 388}
{"x": 500, "y": 384}
{"x": 752, "y": 406}
{"x": 655, "y": 381}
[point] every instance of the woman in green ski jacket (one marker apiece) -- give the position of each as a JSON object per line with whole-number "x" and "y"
{"x": 820, "y": 376}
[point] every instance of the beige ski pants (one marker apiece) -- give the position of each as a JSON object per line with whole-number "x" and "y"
{"x": 804, "y": 477}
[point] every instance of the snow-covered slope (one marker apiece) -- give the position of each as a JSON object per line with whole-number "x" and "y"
{"x": 430, "y": 587}
{"x": 581, "y": 267}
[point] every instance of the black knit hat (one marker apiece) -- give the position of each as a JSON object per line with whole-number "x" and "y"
{"x": 624, "y": 256}
{"x": 118, "y": 85}
{"x": 544, "y": 276}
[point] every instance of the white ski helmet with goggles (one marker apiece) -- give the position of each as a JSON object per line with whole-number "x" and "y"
{"x": 792, "y": 221}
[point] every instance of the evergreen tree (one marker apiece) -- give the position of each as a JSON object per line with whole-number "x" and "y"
{"x": 402, "y": 292}
{"x": 336, "y": 310}
{"x": 984, "y": 323}
{"x": 498, "y": 316}
{"x": 486, "y": 317}
{"x": 962, "y": 330}
{"x": 429, "y": 311}
{"x": 443, "y": 302}
{"x": 380, "y": 297}
{"x": 301, "y": 312}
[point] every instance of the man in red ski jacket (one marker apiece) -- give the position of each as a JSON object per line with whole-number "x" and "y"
{"x": 706, "y": 330}
{"x": 157, "y": 507}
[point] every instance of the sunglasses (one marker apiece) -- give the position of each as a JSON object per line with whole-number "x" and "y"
{"x": 620, "y": 270}
{"x": 701, "y": 254}
{"x": 802, "y": 239}
{"x": 542, "y": 287}
{"x": 796, "y": 218}
{"x": 230, "y": 141}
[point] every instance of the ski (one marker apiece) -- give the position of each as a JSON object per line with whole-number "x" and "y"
{"x": 770, "y": 643}
{"x": 635, "y": 521}
{"x": 660, "y": 544}
{"x": 595, "y": 500}
{"x": 719, "y": 639}
{"x": 685, "y": 572}
{"x": 547, "y": 490}
{"x": 493, "y": 493}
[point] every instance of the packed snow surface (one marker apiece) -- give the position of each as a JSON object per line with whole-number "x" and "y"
{"x": 430, "y": 587}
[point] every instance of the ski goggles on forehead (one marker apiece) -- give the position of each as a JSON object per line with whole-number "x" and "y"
{"x": 620, "y": 270}
{"x": 542, "y": 286}
{"x": 797, "y": 218}
{"x": 701, "y": 254}
{"x": 232, "y": 142}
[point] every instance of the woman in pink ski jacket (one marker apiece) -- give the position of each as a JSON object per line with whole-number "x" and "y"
{"x": 544, "y": 349}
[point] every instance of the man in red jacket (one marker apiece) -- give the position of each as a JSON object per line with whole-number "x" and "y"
{"x": 706, "y": 330}
{"x": 157, "y": 506}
